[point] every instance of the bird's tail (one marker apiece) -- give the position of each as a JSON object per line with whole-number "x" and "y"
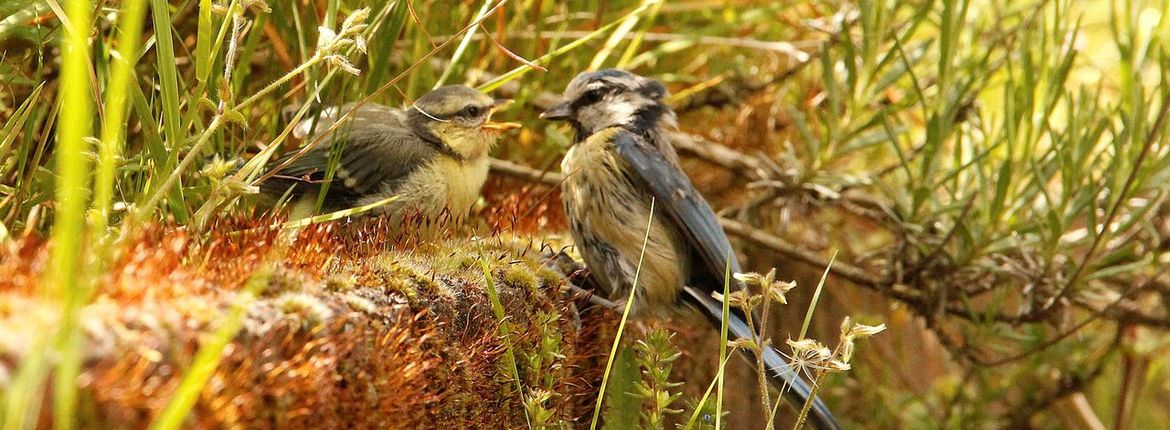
{"x": 795, "y": 390}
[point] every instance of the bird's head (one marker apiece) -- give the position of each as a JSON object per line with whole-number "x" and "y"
{"x": 460, "y": 117}
{"x": 608, "y": 98}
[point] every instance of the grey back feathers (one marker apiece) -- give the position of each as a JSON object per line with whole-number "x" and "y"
{"x": 374, "y": 148}
{"x": 377, "y": 149}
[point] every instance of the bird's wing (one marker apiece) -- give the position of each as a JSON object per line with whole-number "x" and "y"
{"x": 319, "y": 118}
{"x": 376, "y": 151}
{"x": 677, "y": 197}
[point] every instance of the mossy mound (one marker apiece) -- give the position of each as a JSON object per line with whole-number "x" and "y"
{"x": 345, "y": 332}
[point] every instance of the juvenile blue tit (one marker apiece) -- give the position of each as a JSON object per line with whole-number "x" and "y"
{"x": 621, "y": 160}
{"x": 433, "y": 155}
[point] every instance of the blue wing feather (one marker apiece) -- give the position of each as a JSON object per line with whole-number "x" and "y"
{"x": 675, "y": 194}
{"x": 677, "y": 197}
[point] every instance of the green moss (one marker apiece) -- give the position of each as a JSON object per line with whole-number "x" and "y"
{"x": 339, "y": 283}
{"x": 457, "y": 261}
{"x": 548, "y": 277}
{"x": 404, "y": 277}
{"x": 520, "y": 276}
{"x": 282, "y": 281}
{"x": 310, "y": 310}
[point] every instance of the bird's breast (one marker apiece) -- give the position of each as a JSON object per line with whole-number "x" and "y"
{"x": 443, "y": 185}
{"x": 609, "y": 214}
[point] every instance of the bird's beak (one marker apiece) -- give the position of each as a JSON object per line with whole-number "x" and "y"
{"x": 499, "y": 126}
{"x": 558, "y": 112}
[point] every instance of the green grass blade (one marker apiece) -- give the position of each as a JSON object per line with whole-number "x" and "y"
{"x": 632, "y": 47}
{"x": 470, "y": 34}
{"x": 203, "y": 43}
{"x": 338, "y": 214}
{"x": 16, "y": 122}
{"x": 208, "y": 357}
{"x": 816, "y": 297}
{"x": 172, "y": 121}
{"x": 723, "y": 342}
{"x": 617, "y": 339}
{"x": 544, "y": 59}
{"x": 707, "y": 394}
{"x": 622, "y": 407}
{"x": 72, "y": 170}
{"x": 623, "y": 28}
{"x": 505, "y": 331}
{"x": 114, "y": 125}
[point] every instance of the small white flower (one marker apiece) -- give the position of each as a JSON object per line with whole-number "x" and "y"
{"x": 360, "y": 41}
{"x": 325, "y": 37}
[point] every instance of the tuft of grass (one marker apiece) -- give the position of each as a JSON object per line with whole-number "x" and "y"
{"x": 545, "y": 59}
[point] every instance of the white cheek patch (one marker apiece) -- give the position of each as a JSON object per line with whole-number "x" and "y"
{"x": 621, "y": 110}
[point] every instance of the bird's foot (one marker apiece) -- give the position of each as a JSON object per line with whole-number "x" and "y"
{"x": 596, "y": 299}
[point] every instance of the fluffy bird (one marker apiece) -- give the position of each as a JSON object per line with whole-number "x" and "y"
{"x": 621, "y": 163}
{"x": 433, "y": 156}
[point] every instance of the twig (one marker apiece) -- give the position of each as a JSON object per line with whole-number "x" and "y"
{"x": 505, "y": 167}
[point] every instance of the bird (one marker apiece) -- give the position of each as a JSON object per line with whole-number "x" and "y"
{"x": 431, "y": 156}
{"x": 620, "y": 165}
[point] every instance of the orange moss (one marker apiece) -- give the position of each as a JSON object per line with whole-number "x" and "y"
{"x": 312, "y": 354}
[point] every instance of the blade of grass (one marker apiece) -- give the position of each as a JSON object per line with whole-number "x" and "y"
{"x": 23, "y": 396}
{"x": 617, "y": 339}
{"x": 17, "y": 121}
{"x": 203, "y": 43}
{"x": 336, "y": 215}
{"x": 816, "y": 297}
{"x": 623, "y": 407}
{"x": 172, "y": 121}
{"x": 65, "y": 274}
{"x": 470, "y": 34}
{"x": 632, "y": 47}
{"x": 505, "y": 331}
{"x": 113, "y": 135}
{"x": 544, "y": 59}
{"x": 208, "y": 357}
{"x": 707, "y": 394}
{"x": 723, "y": 342}
{"x": 624, "y": 27}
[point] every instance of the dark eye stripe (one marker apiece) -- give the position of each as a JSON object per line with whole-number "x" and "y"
{"x": 465, "y": 112}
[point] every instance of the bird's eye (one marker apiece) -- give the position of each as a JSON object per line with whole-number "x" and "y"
{"x": 472, "y": 111}
{"x": 594, "y": 95}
